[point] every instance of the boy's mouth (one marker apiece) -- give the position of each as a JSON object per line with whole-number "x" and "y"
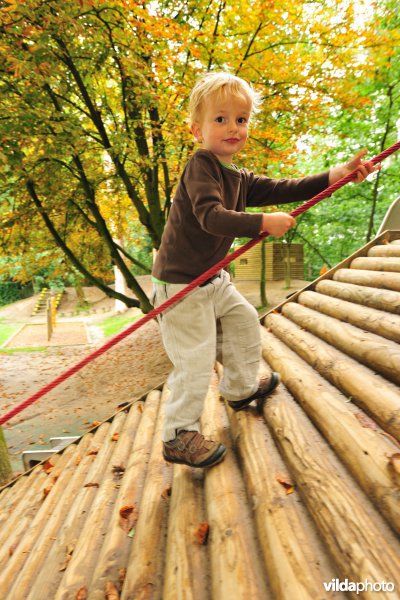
{"x": 232, "y": 140}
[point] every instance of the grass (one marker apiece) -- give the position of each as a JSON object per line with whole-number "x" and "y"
{"x": 113, "y": 325}
{"x": 15, "y": 350}
{"x": 7, "y": 330}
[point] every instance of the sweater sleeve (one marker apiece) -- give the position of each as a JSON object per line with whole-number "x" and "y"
{"x": 263, "y": 191}
{"x": 205, "y": 189}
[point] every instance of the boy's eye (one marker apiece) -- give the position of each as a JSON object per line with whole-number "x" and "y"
{"x": 220, "y": 119}
{"x": 242, "y": 120}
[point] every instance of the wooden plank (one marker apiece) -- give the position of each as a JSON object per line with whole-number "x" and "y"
{"x": 51, "y": 514}
{"x": 235, "y": 562}
{"x": 357, "y": 441}
{"x": 376, "y": 264}
{"x": 386, "y": 300}
{"x": 77, "y": 572}
{"x": 372, "y": 393}
{"x": 295, "y": 560}
{"x": 378, "y": 279}
{"x": 370, "y": 349}
{"x": 186, "y": 574}
{"x": 359, "y": 541}
{"x": 370, "y": 319}
{"x": 113, "y": 557}
{"x": 385, "y": 250}
{"x": 144, "y": 575}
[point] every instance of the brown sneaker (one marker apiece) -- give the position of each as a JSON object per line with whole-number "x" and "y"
{"x": 192, "y": 449}
{"x": 267, "y": 385}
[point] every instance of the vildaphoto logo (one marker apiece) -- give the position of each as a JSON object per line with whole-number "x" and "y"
{"x": 336, "y": 585}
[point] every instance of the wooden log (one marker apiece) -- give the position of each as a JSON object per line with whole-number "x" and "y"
{"x": 114, "y": 553}
{"x": 379, "y": 279}
{"x": 61, "y": 542}
{"x": 370, "y": 319}
{"x": 374, "y": 298}
{"x": 186, "y": 575}
{"x": 359, "y": 541}
{"x": 376, "y": 264}
{"x": 144, "y": 575}
{"x": 385, "y": 250}
{"x": 80, "y": 566}
{"x": 52, "y": 511}
{"x": 42, "y": 479}
{"x": 236, "y": 566}
{"x": 295, "y": 560}
{"x": 12, "y": 496}
{"x": 368, "y": 348}
{"x": 368, "y": 390}
{"x": 364, "y": 450}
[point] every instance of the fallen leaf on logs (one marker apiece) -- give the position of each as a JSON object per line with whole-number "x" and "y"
{"x": 394, "y": 466}
{"x": 366, "y": 421}
{"x": 121, "y": 576}
{"x": 129, "y": 516}
{"x": 288, "y": 485}
{"x": 166, "y": 493}
{"x": 91, "y": 485}
{"x": 70, "y": 550}
{"x": 201, "y": 533}
{"x": 82, "y": 593}
{"x": 94, "y": 451}
{"x": 118, "y": 470}
{"x": 111, "y": 591}
{"x": 115, "y": 437}
{"x": 47, "y": 466}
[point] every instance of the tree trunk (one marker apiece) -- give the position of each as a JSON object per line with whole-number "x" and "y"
{"x": 287, "y": 266}
{"x": 263, "y": 294}
{"x": 5, "y": 465}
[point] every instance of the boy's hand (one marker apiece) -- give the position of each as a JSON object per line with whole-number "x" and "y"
{"x": 277, "y": 224}
{"x": 364, "y": 168}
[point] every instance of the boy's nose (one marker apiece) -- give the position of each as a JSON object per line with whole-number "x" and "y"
{"x": 232, "y": 125}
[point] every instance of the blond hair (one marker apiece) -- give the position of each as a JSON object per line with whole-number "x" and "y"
{"x": 217, "y": 84}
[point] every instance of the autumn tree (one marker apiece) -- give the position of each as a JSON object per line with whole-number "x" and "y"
{"x": 93, "y": 110}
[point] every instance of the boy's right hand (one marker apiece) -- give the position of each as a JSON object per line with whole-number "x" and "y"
{"x": 277, "y": 223}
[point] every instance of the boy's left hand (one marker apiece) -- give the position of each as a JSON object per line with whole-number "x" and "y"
{"x": 364, "y": 168}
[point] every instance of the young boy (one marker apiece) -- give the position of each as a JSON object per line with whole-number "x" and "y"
{"x": 205, "y": 217}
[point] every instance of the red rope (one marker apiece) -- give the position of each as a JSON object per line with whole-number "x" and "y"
{"x": 195, "y": 283}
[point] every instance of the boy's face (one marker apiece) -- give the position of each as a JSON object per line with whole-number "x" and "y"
{"x": 223, "y": 126}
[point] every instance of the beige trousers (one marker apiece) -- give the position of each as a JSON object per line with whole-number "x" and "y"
{"x": 193, "y": 341}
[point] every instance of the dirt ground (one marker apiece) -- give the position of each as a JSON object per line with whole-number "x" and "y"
{"x": 126, "y": 371}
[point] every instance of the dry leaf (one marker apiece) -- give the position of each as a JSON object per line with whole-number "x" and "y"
{"x": 394, "y": 467}
{"x": 118, "y": 470}
{"x": 70, "y": 550}
{"x": 91, "y": 485}
{"x": 94, "y": 451}
{"x": 47, "y": 466}
{"x": 82, "y": 593}
{"x": 140, "y": 408}
{"x": 111, "y": 591}
{"x": 284, "y": 481}
{"x": 115, "y": 437}
{"x": 129, "y": 516}
{"x": 166, "y": 493}
{"x": 201, "y": 533}
{"x": 366, "y": 421}
{"x": 121, "y": 576}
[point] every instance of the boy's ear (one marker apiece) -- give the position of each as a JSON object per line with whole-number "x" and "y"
{"x": 196, "y": 130}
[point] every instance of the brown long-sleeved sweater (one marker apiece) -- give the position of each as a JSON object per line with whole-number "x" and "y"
{"x": 208, "y": 213}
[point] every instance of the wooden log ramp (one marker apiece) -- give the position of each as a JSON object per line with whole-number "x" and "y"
{"x": 281, "y": 516}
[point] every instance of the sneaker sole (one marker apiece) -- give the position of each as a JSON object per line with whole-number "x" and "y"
{"x": 209, "y": 462}
{"x": 241, "y": 404}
